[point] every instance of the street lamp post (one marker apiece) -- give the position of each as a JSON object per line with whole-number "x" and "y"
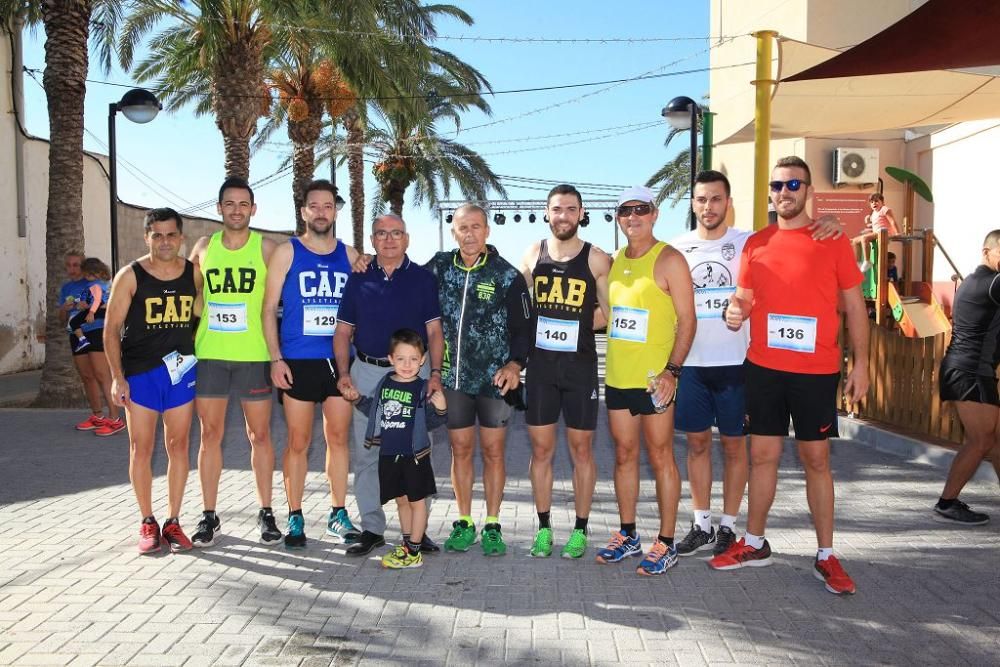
{"x": 139, "y": 106}
{"x": 682, "y": 114}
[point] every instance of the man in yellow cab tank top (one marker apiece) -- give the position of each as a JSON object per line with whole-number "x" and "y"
{"x": 650, "y": 330}
{"x": 231, "y": 272}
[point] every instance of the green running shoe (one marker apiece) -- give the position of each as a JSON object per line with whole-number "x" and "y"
{"x": 493, "y": 544}
{"x": 576, "y": 547}
{"x": 463, "y": 536}
{"x": 542, "y": 548}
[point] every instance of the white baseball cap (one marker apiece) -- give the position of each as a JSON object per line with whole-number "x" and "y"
{"x": 638, "y": 193}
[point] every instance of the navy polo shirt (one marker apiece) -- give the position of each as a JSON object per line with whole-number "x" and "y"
{"x": 377, "y": 305}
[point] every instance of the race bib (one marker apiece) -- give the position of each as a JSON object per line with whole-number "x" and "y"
{"x": 791, "y": 332}
{"x": 628, "y": 324}
{"x": 178, "y": 364}
{"x": 711, "y": 302}
{"x": 556, "y": 335}
{"x": 319, "y": 320}
{"x": 227, "y": 317}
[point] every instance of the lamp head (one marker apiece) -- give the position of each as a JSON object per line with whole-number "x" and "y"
{"x": 139, "y": 105}
{"x": 678, "y": 112}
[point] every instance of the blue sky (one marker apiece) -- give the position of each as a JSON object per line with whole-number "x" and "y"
{"x": 602, "y": 139}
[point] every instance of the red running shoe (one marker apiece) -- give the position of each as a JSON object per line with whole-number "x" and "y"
{"x": 740, "y": 555}
{"x": 91, "y": 423}
{"x": 175, "y": 537}
{"x": 149, "y": 538}
{"x": 110, "y": 427}
{"x": 831, "y": 572}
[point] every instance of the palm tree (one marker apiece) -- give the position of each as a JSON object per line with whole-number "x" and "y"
{"x": 67, "y": 25}
{"x": 673, "y": 179}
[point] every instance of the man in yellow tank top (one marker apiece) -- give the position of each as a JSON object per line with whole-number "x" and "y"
{"x": 650, "y": 330}
{"x": 231, "y": 272}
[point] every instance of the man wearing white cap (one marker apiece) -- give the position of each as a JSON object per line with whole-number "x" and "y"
{"x": 650, "y": 329}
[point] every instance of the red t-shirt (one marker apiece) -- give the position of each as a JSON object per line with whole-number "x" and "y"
{"x": 796, "y": 284}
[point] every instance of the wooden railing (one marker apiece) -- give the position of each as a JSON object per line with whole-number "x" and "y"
{"x": 904, "y": 385}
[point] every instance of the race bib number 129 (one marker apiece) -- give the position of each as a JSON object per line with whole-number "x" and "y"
{"x": 318, "y": 320}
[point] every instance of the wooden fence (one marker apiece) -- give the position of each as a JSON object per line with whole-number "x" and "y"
{"x": 904, "y": 385}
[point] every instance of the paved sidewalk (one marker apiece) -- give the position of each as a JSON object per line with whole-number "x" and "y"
{"x": 73, "y": 590}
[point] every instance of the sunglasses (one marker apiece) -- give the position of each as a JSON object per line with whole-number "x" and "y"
{"x": 638, "y": 209}
{"x": 792, "y": 185}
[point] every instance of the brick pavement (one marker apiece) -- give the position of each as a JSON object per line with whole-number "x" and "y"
{"x": 74, "y": 592}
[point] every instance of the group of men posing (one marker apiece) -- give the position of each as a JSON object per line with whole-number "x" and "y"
{"x": 675, "y": 317}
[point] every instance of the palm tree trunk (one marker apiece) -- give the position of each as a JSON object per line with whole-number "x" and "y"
{"x": 67, "y": 28}
{"x": 238, "y": 74}
{"x": 395, "y": 198}
{"x": 356, "y": 175}
{"x": 237, "y": 148}
{"x": 304, "y": 135}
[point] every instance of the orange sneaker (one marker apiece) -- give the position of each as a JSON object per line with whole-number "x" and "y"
{"x": 91, "y": 423}
{"x": 740, "y": 555}
{"x": 110, "y": 427}
{"x": 175, "y": 537}
{"x": 831, "y": 572}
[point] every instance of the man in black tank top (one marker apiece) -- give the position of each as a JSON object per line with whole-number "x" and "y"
{"x": 569, "y": 282}
{"x": 149, "y": 342}
{"x": 968, "y": 379}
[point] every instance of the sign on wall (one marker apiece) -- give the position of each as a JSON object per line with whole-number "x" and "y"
{"x": 850, "y": 207}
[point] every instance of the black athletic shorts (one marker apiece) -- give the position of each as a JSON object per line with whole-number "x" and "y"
{"x": 961, "y": 385}
{"x": 465, "y": 410}
{"x": 405, "y": 476}
{"x": 565, "y": 386}
{"x": 313, "y": 380}
{"x": 774, "y": 396}
{"x": 96, "y": 338}
{"x": 636, "y": 401}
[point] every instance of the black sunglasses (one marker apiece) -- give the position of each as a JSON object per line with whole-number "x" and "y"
{"x": 793, "y": 185}
{"x": 638, "y": 209}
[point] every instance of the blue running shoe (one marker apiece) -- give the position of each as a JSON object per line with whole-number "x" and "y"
{"x": 659, "y": 559}
{"x": 620, "y": 547}
{"x": 295, "y": 536}
{"x": 339, "y": 525}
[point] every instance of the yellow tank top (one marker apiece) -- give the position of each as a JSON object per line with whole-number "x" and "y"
{"x": 642, "y": 324}
{"x": 233, "y": 289}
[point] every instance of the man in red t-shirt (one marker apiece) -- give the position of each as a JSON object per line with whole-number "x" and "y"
{"x": 789, "y": 286}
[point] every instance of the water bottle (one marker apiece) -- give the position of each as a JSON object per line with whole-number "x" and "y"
{"x": 651, "y": 382}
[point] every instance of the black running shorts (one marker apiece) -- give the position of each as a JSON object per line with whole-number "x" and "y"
{"x": 775, "y": 396}
{"x": 961, "y": 385}
{"x": 313, "y": 380}
{"x": 465, "y": 410}
{"x": 564, "y": 386}
{"x": 405, "y": 476}
{"x": 636, "y": 401}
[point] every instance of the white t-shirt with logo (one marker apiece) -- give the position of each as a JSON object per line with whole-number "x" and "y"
{"x": 715, "y": 267}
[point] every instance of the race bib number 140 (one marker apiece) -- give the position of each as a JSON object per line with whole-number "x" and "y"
{"x": 556, "y": 335}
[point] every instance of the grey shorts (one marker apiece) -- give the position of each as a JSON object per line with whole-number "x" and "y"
{"x": 248, "y": 380}
{"x": 464, "y": 410}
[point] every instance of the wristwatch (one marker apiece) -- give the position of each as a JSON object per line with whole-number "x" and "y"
{"x": 673, "y": 369}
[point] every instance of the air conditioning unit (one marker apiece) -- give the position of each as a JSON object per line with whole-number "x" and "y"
{"x": 855, "y": 166}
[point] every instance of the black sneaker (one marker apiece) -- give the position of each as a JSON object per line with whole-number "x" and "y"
{"x": 696, "y": 540}
{"x": 724, "y": 538}
{"x": 959, "y": 513}
{"x": 429, "y": 546}
{"x": 269, "y": 533}
{"x": 365, "y": 544}
{"x": 209, "y": 526}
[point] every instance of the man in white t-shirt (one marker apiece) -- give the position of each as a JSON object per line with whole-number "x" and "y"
{"x": 711, "y": 393}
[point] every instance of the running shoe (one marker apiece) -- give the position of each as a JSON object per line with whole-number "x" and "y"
{"x": 110, "y": 427}
{"x": 401, "y": 559}
{"x": 831, "y": 573}
{"x": 740, "y": 555}
{"x": 463, "y": 535}
{"x": 493, "y": 544}
{"x": 295, "y": 536}
{"x": 269, "y": 533}
{"x": 209, "y": 526}
{"x": 696, "y": 540}
{"x": 429, "y": 546}
{"x": 960, "y": 514}
{"x": 81, "y": 345}
{"x": 659, "y": 559}
{"x": 338, "y": 525}
{"x": 91, "y": 423}
{"x": 620, "y": 547}
{"x": 149, "y": 538}
{"x": 576, "y": 546}
{"x": 365, "y": 544}
{"x": 724, "y": 539}
{"x": 542, "y": 547}
{"x": 175, "y": 537}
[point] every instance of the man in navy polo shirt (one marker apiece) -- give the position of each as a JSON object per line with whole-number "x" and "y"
{"x": 393, "y": 293}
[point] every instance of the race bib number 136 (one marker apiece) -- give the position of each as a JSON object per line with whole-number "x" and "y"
{"x": 791, "y": 332}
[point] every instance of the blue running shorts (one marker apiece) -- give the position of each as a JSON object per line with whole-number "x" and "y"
{"x": 711, "y": 396}
{"x": 153, "y": 389}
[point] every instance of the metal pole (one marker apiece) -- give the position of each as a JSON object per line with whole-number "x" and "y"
{"x": 113, "y": 184}
{"x": 706, "y": 138}
{"x": 762, "y": 127}
{"x": 692, "y": 223}
{"x": 440, "y": 230}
